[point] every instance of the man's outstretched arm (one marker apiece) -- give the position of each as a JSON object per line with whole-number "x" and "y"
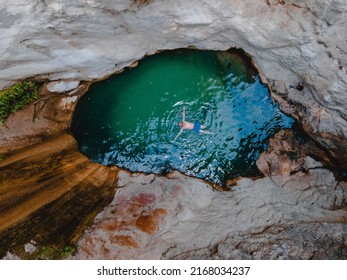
{"x": 179, "y": 133}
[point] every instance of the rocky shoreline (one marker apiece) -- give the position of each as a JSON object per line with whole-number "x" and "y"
{"x": 56, "y": 203}
{"x": 60, "y": 204}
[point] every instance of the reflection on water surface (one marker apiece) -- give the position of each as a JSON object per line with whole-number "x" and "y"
{"x": 130, "y": 120}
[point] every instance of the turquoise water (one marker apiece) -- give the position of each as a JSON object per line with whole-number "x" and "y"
{"x": 130, "y": 120}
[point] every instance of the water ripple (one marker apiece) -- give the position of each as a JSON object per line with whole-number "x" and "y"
{"x": 129, "y": 122}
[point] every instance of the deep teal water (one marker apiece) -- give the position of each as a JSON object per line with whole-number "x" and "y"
{"x": 131, "y": 119}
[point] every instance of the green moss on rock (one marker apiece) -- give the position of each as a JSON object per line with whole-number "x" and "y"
{"x": 17, "y": 97}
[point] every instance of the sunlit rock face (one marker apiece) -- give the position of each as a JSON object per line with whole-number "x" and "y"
{"x": 297, "y": 210}
{"x": 299, "y": 46}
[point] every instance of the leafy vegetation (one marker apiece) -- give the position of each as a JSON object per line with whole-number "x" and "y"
{"x": 54, "y": 252}
{"x": 17, "y": 97}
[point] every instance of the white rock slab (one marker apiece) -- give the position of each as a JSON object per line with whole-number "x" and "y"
{"x": 62, "y": 86}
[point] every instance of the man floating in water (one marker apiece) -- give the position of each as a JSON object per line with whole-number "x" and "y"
{"x": 196, "y": 126}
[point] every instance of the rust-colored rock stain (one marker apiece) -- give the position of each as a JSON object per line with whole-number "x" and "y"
{"x": 124, "y": 240}
{"x": 149, "y": 223}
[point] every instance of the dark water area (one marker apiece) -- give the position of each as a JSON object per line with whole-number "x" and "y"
{"x": 131, "y": 120}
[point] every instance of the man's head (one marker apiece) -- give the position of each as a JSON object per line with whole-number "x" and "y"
{"x": 180, "y": 124}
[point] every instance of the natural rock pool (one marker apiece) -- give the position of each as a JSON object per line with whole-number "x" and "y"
{"x": 131, "y": 120}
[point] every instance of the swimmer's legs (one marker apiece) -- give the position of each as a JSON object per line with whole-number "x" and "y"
{"x": 205, "y": 131}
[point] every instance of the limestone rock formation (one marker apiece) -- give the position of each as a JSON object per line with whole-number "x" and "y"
{"x": 62, "y": 86}
{"x": 290, "y": 214}
{"x": 47, "y": 117}
{"x": 299, "y": 46}
{"x": 296, "y": 211}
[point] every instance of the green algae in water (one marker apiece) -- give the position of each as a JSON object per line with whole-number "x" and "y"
{"x": 130, "y": 120}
